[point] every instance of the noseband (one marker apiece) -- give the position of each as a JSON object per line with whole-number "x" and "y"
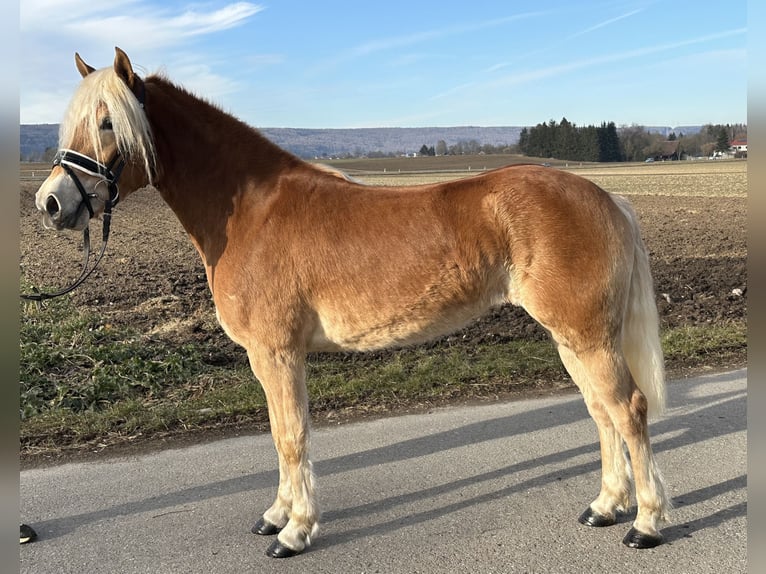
{"x": 70, "y": 161}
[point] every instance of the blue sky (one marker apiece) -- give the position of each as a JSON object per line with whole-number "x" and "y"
{"x": 332, "y": 64}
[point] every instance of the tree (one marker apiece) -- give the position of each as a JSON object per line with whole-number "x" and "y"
{"x": 425, "y": 150}
{"x": 456, "y": 149}
{"x": 566, "y": 140}
{"x": 722, "y": 142}
{"x": 634, "y": 140}
{"x": 441, "y": 147}
{"x": 49, "y": 154}
{"x": 608, "y": 143}
{"x": 524, "y": 141}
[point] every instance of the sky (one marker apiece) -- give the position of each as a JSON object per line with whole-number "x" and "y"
{"x": 414, "y": 63}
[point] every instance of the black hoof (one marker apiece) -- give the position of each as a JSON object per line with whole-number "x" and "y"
{"x": 592, "y": 518}
{"x": 27, "y": 534}
{"x": 263, "y": 528}
{"x": 279, "y": 550}
{"x": 636, "y": 539}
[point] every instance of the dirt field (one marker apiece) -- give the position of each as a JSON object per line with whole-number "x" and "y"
{"x": 694, "y": 223}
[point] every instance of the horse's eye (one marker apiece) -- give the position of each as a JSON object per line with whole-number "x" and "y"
{"x": 106, "y": 123}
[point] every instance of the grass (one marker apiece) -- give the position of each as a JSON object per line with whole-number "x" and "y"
{"x": 693, "y": 344}
{"x": 85, "y": 383}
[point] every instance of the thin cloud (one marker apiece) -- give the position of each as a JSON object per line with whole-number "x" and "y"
{"x": 534, "y": 75}
{"x": 37, "y": 14}
{"x": 155, "y": 26}
{"x": 454, "y": 90}
{"x": 73, "y": 16}
{"x": 137, "y": 25}
{"x": 393, "y": 42}
{"x": 548, "y": 48}
{"x": 418, "y": 37}
{"x": 605, "y": 23}
{"x": 193, "y": 23}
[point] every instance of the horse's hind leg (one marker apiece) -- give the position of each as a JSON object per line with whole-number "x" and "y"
{"x": 619, "y": 409}
{"x": 294, "y": 515}
{"x": 615, "y": 472}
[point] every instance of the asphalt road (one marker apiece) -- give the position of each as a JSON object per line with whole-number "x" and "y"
{"x": 489, "y": 488}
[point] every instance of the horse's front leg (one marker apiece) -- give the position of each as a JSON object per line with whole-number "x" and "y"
{"x": 294, "y": 515}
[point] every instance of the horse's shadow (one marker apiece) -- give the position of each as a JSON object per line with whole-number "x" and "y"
{"x": 692, "y": 433}
{"x": 504, "y": 427}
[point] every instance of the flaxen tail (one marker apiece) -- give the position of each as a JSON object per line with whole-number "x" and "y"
{"x": 641, "y": 328}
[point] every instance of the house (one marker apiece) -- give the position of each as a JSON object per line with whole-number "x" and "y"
{"x": 739, "y": 148}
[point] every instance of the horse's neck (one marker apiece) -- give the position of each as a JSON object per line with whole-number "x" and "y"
{"x": 207, "y": 160}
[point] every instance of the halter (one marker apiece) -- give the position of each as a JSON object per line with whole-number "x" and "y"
{"x": 70, "y": 160}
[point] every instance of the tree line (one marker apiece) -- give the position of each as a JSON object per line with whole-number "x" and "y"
{"x": 605, "y": 143}
{"x": 564, "y": 140}
{"x": 466, "y": 147}
{"x": 637, "y": 143}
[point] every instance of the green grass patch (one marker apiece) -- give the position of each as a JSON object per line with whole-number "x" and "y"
{"x": 714, "y": 343}
{"x": 84, "y": 381}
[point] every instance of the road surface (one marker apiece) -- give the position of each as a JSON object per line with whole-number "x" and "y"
{"x": 489, "y": 488}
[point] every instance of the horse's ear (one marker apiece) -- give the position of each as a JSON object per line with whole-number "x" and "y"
{"x": 124, "y": 68}
{"x": 82, "y": 67}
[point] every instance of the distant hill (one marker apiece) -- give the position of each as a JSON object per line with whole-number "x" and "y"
{"x": 35, "y": 139}
{"x": 359, "y": 141}
{"x": 309, "y": 143}
{"x": 678, "y": 130}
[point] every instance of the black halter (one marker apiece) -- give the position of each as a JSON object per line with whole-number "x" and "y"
{"x": 70, "y": 161}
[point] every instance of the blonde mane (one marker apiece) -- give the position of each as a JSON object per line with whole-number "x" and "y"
{"x": 129, "y": 122}
{"x": 336, "y": 172}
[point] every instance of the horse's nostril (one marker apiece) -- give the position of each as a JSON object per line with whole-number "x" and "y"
{"x": 52, "y": 206}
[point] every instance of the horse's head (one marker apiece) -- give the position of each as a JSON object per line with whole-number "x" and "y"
{"x": 105, "y": 147}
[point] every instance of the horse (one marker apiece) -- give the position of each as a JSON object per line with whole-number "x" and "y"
{"x": 300, "y": 259}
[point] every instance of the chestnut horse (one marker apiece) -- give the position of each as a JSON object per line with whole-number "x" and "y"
{"x": 301, "y": 259}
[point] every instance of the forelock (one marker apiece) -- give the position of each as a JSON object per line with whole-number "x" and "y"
{"x": 129, "y": 122}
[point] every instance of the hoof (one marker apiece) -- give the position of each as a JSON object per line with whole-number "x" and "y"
{"x": 592, "y": 518}
{"x": 263, "y": 528}
{"x": 27, "y": 534}
{"x": 636, "y": 539}
{"x": 279, "y": 550}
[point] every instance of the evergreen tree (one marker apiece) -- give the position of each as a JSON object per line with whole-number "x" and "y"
{"x": 524, "y": 141}
{"x": 567, "y": 141}
{"x": 609, "y": 143}
{"x": 722, "y": 143}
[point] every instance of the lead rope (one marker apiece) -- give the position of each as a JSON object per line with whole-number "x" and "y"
{"x": 39, "y": 297}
